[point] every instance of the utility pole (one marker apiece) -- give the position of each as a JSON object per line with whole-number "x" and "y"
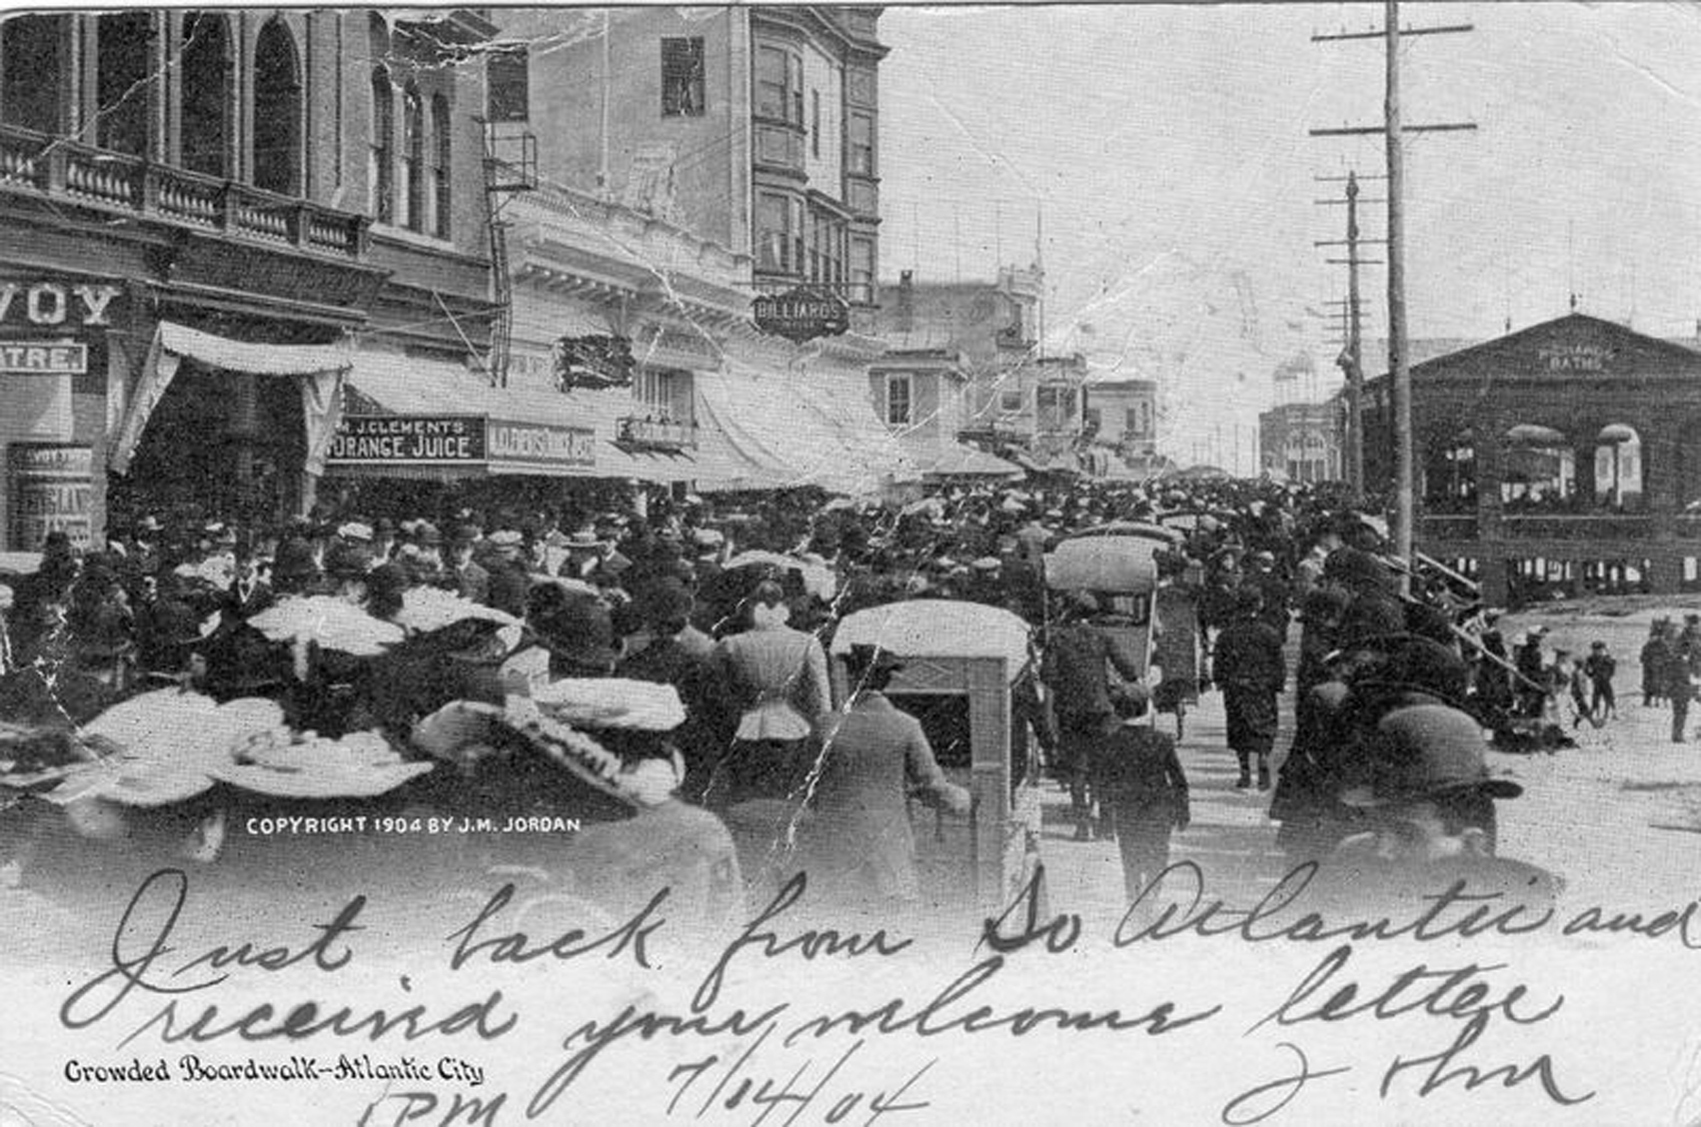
{"x": 1351, "y": 359}
{"x": 1393, "y": 130}
{"x": 1399, "y": 368}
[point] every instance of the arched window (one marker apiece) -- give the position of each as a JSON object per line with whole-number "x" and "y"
{"x": 1618, "y": 467}
{"x": 413, "y": 159}
{"x": 206, "y": 63}
{"x": 1450, "y": 476}
{"x": 442, "y": 145}
{"x": 33, "y": 69}
{"x": 381, "y": 163}
{"x": 277, "y": 111}
{"x": 123, "y": 50}
{"x": 1540, "y": 473}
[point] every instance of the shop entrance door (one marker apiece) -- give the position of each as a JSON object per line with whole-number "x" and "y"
{"x": 221, "y": 445}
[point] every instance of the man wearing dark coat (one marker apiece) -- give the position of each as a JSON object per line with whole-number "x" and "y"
{"x": 469, "y": 578}
{"x": 858, "y": 845}
{"x": 1249, "y": 666}
{"x": 1076, "y": 668}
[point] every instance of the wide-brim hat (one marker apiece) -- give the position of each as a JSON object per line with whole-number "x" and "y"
{"x": 577, "y": 629}
{"x": 294, "y": 560}
{"x": 1426, "y": 751}
{"x": 348, "y": 561}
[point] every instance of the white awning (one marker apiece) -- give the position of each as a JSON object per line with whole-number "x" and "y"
{"x": 961, "y": 460}
{"x": 766, "y": 429}
{"x": 320, "y": 369}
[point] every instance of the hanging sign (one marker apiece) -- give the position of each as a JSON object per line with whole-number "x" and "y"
{"x": 593, "y": 362}
{"x": 802, "y": 314}
{"x": 43, "y": 358}
{"x": 407, "y": 440}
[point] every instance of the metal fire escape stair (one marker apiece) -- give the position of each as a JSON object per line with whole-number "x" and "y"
{"x": 510, "y": 165}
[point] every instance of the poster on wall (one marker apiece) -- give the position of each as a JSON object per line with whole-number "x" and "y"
{"x": 51, "y": 490}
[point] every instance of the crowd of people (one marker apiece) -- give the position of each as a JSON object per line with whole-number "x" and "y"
{"x": 730, "y": 600}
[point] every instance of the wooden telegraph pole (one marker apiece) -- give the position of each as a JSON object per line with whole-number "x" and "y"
{"x": 1399, "y": 370}
{"x": 1351, "y": 359}
{"x": 1393, "y": 130}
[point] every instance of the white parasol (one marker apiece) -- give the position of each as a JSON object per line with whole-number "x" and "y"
{"x": 284, "y": 764}
{"x": 333, "y": 623}
{"x": 168, "y": 745}
{"x": 611, "y": 702}
{"x": 431, "y": 608}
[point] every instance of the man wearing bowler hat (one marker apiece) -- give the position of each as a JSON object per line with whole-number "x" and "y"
{"x": 1429, "y": 803}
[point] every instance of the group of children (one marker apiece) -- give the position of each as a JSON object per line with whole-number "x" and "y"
{"x": 1588, "y": 682}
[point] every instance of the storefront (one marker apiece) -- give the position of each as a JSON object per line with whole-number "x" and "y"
{"x": 431, "y": 420}
{"x": 218, "y": 428}
{"x": 56, "y": 365}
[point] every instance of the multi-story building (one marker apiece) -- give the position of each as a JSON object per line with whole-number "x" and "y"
{"x": 1122, "y": 415}
{"x": 726, "y": 152}
{"x": 1301, "y": 442}
{"x": 993, "y": 325}
{"x": 201, "y": 212}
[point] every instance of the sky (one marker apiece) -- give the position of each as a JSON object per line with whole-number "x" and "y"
{"x": 1164, "y": 152}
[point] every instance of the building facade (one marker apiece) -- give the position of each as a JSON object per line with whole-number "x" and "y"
{"x": 203, "y": 216}
{"x": 922, "y": 397}
{"x": 993, "y": 326}
{"x": 1121, "y": 416}
{"x": 1302, "y": 442}
{"x": 721, "y": 153}
{"x": 1560, "y": 459}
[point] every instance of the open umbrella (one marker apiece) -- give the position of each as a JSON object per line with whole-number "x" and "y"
{"x": 286, "y": 764}
{"x": 165, "y": 747}
{"x": 431, "y": 608}
{"x": 332, "y": 622}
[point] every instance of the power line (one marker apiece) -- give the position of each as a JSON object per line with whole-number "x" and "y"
{"x": 1393, "y": 130}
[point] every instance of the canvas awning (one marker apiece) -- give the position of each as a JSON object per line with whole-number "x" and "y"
{"x": 765, "y": 428}
{"x": 320, "y": 369}
{"x": 528, "y": 426}
{"x": 961, "y": 460}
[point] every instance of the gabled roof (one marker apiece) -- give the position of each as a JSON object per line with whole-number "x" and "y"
{"x": 1572, "y": 346}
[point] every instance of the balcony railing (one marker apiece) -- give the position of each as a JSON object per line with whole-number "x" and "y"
{"x": 69, "y": 170}
{"x": 647, "y": 434}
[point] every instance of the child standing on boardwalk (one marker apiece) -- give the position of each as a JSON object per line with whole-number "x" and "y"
{"x": 1599, "y": 667}
{"x": 1145, "y": 787}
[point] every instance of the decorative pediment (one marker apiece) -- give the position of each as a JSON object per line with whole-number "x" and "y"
{"x": 1574, "y": 346}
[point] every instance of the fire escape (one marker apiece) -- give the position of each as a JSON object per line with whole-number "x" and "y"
{"x": 510, "y": 166}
